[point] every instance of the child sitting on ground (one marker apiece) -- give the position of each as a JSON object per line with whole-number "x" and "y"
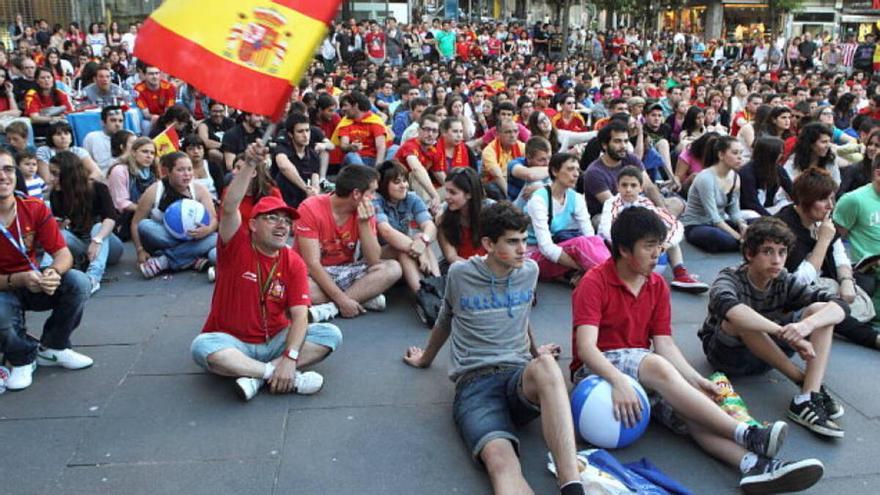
{"x": 27, "y": 164}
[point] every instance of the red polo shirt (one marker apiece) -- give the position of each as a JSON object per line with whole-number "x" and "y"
{"x": 426, "y": 156}
{"x": 624, "y": 320}
{"x": 155, "y": 101}
{"x": 38, "y": 228}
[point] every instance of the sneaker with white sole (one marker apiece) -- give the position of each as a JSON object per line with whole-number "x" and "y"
{"x": 812, "y": 415}
{"x": 95, "y": 283}
{"x": 375, "y": 304}
{"x": 66, "y": 358}
{"x": 776, "y": 476}
{"x": 212, "y": 274}
{"x": 21, "y": 377}
{"x": 247, "y": 387}
{"x": 153, "y": 266}
{"x": 766, "y": 440}
{"x": 323, "y": 312}
{"x": 307, "y": 383}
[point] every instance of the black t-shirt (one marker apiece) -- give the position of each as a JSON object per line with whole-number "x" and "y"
{"x": 804, "y": 244}
{"x": 541, "y": 36}
{"x": 306, "y": 166}
{"x": 21, "y": 86}
{"x": 237, "y": 139}
{"x": 101, "y": 208}
{"x": 216, "y": 131}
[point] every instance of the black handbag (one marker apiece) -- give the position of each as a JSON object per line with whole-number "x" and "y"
{"x": 429, "y": 299}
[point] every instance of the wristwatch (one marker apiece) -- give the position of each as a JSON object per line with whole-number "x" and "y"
{"x": 293, "y": 354}
{"x": 97, "y": 240}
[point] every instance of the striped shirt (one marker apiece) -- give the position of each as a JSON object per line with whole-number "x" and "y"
{"x": 848, "y": 50}
{"x": 782, "y": 297}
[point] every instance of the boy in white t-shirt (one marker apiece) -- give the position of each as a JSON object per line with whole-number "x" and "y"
{"x": 27, "y": 164}
{"x": 629, "y": 187}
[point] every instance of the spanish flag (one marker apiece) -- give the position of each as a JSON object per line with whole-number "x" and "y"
{"x": 247, "y": 54}
{"x": 167, "y": 142}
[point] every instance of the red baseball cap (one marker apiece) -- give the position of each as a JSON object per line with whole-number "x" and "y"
{"x": 544, "y": 93}
{"x": 268, "y": 204}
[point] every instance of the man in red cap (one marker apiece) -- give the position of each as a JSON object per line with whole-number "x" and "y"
{"x": 257, "y": 330}
{"x": 543, "y": 103}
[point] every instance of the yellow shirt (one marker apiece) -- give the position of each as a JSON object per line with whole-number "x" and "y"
{"x": 495, "y": 157}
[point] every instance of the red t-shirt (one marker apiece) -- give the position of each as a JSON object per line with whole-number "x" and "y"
{"x": 465, "y": 249}
{"x": 338, "y": 242}
{"x": 4, "y": 103}
{"x": 734, "y": 127}
{"x": 375, "y": 44}
{"x": 576, "y": 124}
{"x": 624, "y": 320}
{"x": 427, "y": 157}
{"x": 235, "y": 307}
{"x": 364, "y": 133}
{"x": 247, "y": 204}
{"x": 35, "y": 101}
{"x": 327, "y": 128}
{"x": 158, "y": 100}
{"x": 37, "y": 224}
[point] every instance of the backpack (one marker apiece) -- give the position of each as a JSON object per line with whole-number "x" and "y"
{"x": 429, "y": 299}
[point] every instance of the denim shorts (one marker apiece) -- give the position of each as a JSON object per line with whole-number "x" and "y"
{"x": 205, "y": 344}
{"x": 727, "y": 353}
{"x": 628, "y": 361}
{"x": 489, "y": 404}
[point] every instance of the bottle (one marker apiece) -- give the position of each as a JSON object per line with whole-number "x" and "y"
{"x": 730, "y": 401}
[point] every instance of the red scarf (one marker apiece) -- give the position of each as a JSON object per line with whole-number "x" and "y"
{"x": 514, "y": 151}
{"x": 460, "y": 156}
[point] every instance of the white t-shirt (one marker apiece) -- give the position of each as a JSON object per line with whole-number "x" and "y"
{"x": 97, "y": 143}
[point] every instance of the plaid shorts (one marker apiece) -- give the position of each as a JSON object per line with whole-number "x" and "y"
{"x": 344, "y": 276}
{"x": 627, "y": 361}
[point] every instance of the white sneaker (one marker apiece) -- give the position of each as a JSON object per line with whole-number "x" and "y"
{"x": 96, "y": 285}
{"x": 66, "y": 358}
{"x": 375, "y": 304}
{"x": 307, "y": 383}
{"x": 323, "y": 312}
{"x": 247, "y": 387}
{"x": 212, "y": 274}
{"x": 21, "y": 377}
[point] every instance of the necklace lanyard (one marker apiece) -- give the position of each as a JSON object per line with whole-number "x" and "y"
{"x": 19, "y": 244}
{"x": 263, "y": 287}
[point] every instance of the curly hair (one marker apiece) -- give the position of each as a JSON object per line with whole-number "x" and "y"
{"x": 766, "y": 229}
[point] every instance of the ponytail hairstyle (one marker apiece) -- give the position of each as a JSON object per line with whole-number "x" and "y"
{"x": 715, "y": 147}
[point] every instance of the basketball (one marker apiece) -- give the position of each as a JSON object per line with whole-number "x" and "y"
{"x": 593, "y": 410}
{"x": 184, "y": 215}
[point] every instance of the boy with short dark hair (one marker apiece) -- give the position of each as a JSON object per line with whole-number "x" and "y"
{"x": 622, "y": 327}
{"x": 27, "y": 165}
{"x": 503, "y": 379}
{"x": 760, "y": 314}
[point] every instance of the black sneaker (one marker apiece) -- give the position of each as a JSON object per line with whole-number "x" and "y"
{"x": 832, "y": 407}
{"x": 775, "y": 476}
{"x": 814, "y": 417}
{"x": 765, "y": 441}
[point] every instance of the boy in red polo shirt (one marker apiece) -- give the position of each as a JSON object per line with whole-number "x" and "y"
{"x": 621, "y": 319}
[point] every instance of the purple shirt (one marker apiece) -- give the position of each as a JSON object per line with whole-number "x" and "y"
{"x": 600, "y": 178}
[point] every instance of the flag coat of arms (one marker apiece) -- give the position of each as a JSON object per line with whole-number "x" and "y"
{"x": 167, "y": 142}
{"x": 248, "y": 54}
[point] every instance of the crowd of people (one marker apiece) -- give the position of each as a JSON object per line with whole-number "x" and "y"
{"x": 481, "y": 159}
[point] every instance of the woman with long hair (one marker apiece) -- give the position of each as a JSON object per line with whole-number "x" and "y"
{"x": 690, "y": 161}
{"x": 712, "y": 220}
{"x": 129, "y": 178}
{"x": 86, "y": 214}
{"x": 777, "y": 123}
{"x": 178, "y": 116}
{"x": 693, "y": 126}
{"x": 813, "y": 149}
{"x": 45, "y": 105}
{"x": 459, "y": 223}
{"x": 818, "y": 255}
{"x": 60, "y": 138}
{"x": 766, "y": 187}
{"x": 561, "y": 140}
{"x": 748, "y": 132}
{"x": 824, "y": 114}
{"x": 859, "y": 174}
{"x": 8, "y": 106}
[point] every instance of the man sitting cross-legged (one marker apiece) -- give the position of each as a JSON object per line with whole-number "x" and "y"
{"x": 258, "y": 328}
{"x": 621, "y": 319}
{"x": 503, "y": 380}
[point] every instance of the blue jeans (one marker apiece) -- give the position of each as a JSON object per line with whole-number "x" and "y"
{"x": 66, "y": 304}
{"x": 181, "y": 254}
{"x": 711, "y": 239}
{"x": 205, "y": 344}
{"x": 108, "y": 254}
{"x": 352, "y": 158}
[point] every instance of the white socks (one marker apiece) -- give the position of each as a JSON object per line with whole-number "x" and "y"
{"x": 801, "y": 398}
{"x": 739, "y": 434}
{"x": 270, "y": 369}
{"x": 748, "y": 462}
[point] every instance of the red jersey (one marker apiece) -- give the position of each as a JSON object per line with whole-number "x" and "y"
{"x": 734, "y": 127}
{"x": 4, "y": 104}
{"x": 35, "y": 101}
{"x": 428, "y": 157}
{"x": 465, "y": 249}
{"x": 155, "y": 101}
{"x": 375, "y": 44}
{"x": 624, "y": 320}
{"x": 576, "y": 124}
{"x": 365, "y": 131}
{"x": 327, "y": 128}
{"x": 338, "y": 242}
{"x": 38, "y": 227}
{"x": 241, "y": 274}
{"x": 549, "y": 112}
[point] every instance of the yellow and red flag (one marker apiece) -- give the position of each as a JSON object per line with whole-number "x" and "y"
{"x": 167, "y": 142}
{"x": 248, "y": 54}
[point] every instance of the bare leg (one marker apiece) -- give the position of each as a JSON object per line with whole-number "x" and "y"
{"x": 377, "y": 280}
{"x": 674, "y": 255}
{"x": 411, "y": 273}
{"x": 503, "y": 467}
{"x": 542, "y": 384}
{"x": 815, "y": 374}
{"x": 762, "y": 346}
{"x": 721, "y": 448}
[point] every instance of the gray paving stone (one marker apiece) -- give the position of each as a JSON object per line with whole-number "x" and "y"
{"x": 182, "y": 418}
{"x": 60, "y": 393}
{"x": 851, "y": 372}
{"x": 167, "y": 351}
{"x": 194, "y": 478}
{"x": 35, "y": 451}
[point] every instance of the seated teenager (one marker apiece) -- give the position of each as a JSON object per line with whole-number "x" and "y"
{"x": 503, "y": 378}
{"x": 527, "y": 174}
{"x": 129, "y": 179}
{"x": 629, "y": 185}
{"x": 296, "y": 166}
{"x": 206, "y": 173}
{"x": 766, "y": 187}
{"x": 459, "y": 223}
{"x": 813, "y": 149}
{"x": 622, "y": 327}
{"x": 452, "y": 152}
{"x": 45, "y": 104}
{"x": 561, "y": 238}
{"x": 60, "y": 138}
{"x": 690, "y": 161}
{"x": 329, "y": 232}
{"x": 85, "y": 212}
{"x": 760, "y": 315}
{"x": 397, "y": 210}
{"x": 419, "y": 157}
{"x": 819, "y": 256}
{"x": 258, "y": 330}
{"x": 24, "y": 287}
{"x": 712, "y": 220}
{"x": 157, "y": 249}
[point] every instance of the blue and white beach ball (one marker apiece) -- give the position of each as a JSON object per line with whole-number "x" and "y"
{"x": 593, "y": 410}
{"x": 184, "y": 215}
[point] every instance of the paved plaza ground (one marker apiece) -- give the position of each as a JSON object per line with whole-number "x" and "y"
{"x": 146, "y": 420}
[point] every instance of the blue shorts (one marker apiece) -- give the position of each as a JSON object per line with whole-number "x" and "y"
{"x": 489, "y": 404}
{"x": 205, "y": 344}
